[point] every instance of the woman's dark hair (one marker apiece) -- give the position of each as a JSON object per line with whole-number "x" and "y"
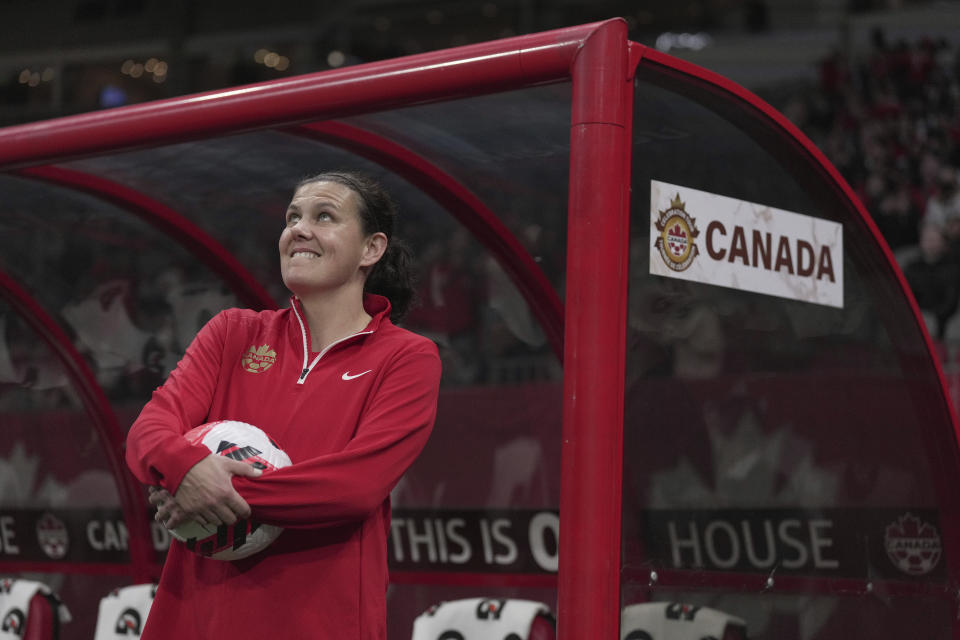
{"x": 392, "y": 276}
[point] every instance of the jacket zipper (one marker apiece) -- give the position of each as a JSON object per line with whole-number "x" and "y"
{"x": 307, "y": 368}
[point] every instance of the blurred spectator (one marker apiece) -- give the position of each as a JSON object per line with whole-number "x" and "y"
{"x": 945, "y": 203}
{"x": 934, "y": 278}
{"x": 834, "y": 75}
{"x": 105, "y": 331}
{"x": 9, "y": 372}
{"x": 510, "y": 311}
{"x": 447, "y": 310}
{"x": 894, "y": 212}
{"x": 889, "y": 120}
{"x": 27, "y": 364}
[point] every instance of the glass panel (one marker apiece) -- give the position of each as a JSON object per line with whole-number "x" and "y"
{"x": 499, "y": 411}
{"x": 490, "y": 473}
{"x": 511, "y": 149}
{"x": 59, "y": 502}
{"x": 235, "y": 188}
{"x": 463, "y": 290}
{"x": 131, "y": 298}
{"x": 782, "y": 459}
{"x": 51, "y": 455}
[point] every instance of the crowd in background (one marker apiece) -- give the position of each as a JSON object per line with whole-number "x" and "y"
{"x": 889, "y": 120}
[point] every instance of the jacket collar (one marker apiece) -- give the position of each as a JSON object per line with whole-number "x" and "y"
{"x": 377, "y": 307}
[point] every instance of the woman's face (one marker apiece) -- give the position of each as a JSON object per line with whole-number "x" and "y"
{"x": 323, "y": 246}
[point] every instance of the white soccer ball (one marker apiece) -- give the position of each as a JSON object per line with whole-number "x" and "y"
{"x": 246, "y": 443}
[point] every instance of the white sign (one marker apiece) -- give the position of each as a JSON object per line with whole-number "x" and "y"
{"x": 713, "y": 239}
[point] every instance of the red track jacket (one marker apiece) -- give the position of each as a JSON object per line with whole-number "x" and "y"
{"x": 352, "y": 419}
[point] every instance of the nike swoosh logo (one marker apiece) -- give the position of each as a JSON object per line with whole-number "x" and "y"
{"x": 347, "y": 376}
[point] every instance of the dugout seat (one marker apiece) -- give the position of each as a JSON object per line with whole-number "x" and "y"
{"x": 123, "y": 611}
{"x": 30, "y": 610}
{"x": 486, "y": 619}
{"x": 678, "y": 621}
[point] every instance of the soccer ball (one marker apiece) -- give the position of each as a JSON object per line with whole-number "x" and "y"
{"x": 246, "y": 443}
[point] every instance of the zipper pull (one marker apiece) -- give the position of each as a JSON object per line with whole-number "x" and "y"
{"x": 304, "y": 373}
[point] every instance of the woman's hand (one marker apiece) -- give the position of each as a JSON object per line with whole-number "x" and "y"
{"x": 168, "y": 513}
{"x": 206, "y": 494}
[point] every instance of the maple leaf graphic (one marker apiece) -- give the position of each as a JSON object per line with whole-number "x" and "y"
{"x": 911, "y": 527}
{"x": 748, "y": 465}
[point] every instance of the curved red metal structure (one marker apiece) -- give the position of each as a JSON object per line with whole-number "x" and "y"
{"x": 463, "y": 71}
{"x": 593, "y": 391}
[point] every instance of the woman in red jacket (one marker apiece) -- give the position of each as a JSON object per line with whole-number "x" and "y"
{"x": 348, "y": 395}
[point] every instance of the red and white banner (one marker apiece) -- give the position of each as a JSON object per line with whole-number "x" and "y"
{"x": 709, "y": 238}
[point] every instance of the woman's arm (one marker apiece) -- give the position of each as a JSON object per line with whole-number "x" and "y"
{"x": 200, "y": 482}
{"x": 348, "y": 485}
{"x": 156, "y": 451}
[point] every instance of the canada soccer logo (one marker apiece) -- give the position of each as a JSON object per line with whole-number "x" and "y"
{"x": 258, "y": 359}
{"x": 14, "y": 623}
{"x": 128, "y": 624}
{"x": 912, "y": 545}
{"x": 52, "y": 536}
{"x": 677, "y": 233}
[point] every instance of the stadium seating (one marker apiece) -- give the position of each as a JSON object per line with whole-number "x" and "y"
{"x": 486, "y": 619}
{"x": 30, "y": 610}
{"x": 124, "y": 611}
{"x": 678, "y": 621}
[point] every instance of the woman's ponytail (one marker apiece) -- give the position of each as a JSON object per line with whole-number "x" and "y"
{"x": 392, "y": 277}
